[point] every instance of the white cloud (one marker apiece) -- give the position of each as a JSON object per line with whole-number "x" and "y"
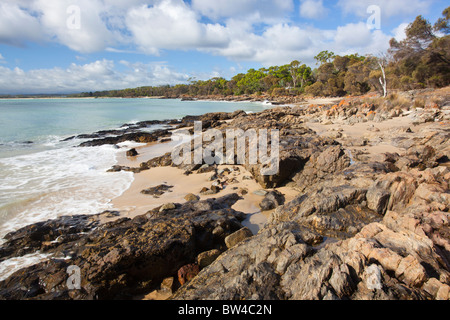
{"x": 283, "y": 43}
{"x": 171, "y": 24}
{"x": 92, "y": 34}
{"x": 353, "y": 35}
{"x": 312, "y": 9}
{"x": 18, "y": 25}
{"x": 48, "y": 20}
{"x": 400, "y": 32}
{"x": 98, "y": 75}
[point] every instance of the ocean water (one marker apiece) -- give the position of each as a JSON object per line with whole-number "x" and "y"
{"x": 43, "y": 178}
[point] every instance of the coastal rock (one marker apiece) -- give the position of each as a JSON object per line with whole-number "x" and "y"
{"x": 378, "y": 263}
{"x": 120, "y": 136}
{"x": 272, "y": 200}
{"x": 333, "y": 211}
{"x": 122, "y": 258}
{"x": 322, "y": 166}
{"x": 237, "y": 237}
{"x": 377, "y": 199}
{"x": 204, "y": 259}
{"x": 53, "y": 233}
{"x": 162, "y": 161}
{"x": 191, "y": 197}
{"x": 187, "y": 273}
{"x": 158, "y": 190}
{"x": 132, "y": 153}
{"x": 360, "y": 228}
{"x": 167, "y": 207}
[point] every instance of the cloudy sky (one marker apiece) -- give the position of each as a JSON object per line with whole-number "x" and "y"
{"x": 63, "y": 46}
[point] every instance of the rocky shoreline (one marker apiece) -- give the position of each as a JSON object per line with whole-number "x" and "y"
{"x": 370, "y": 219}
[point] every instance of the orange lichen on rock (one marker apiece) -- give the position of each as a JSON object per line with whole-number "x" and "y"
{"x": 344, "y": 103}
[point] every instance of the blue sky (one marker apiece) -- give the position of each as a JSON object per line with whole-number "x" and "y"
{"x": 63, "y": 46}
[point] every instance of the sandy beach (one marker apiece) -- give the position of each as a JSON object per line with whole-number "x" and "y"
{"x": 133, "y": 203}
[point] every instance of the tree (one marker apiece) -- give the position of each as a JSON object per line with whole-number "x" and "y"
{"x": 423, "y": 58}
{"x": 419, "y": 35}
{"x": 381, "y": 62}
{"x": 443, "y": 24}
{"x": 324, "y": 57}
{"x": 294, "y": 71}
{"x": 306, "y": 75}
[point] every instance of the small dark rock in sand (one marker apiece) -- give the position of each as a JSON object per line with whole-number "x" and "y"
{"x": 158, "y": 190}
{"x": 132, "y": 153}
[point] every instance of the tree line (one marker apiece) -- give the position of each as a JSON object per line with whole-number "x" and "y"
{"x": 421, "y": 60}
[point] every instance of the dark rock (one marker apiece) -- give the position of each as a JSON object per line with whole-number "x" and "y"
{"x": 272, "y": 200}
{"x": 115, "y": 168}
{"x": 121, "y": 258}
{"x": 58, "y": 232}
{"x": 132, "y": 153}
{"x": 140, "y": 137}
{"x": 163, "y": 161}
{"x": 322, "y": 166}
{"x": 215, "y": 189}
{"x": 188, "y": 99}
{"x": 158, "y": 190}
{"x": 204, "y": 190}
{"x": 377, "y": 199}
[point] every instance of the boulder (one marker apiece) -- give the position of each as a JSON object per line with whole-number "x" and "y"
{"x": 272, "y": 200}
{"x": 167, "y": 207}
{"x": 204, "y": 259}
{"x": 187, "y": 273}
{"x": 132, "y": 153}
{"x": 238, "y": 237}
{"x": 378, "y": 199}
{"x": 191, "y": 197}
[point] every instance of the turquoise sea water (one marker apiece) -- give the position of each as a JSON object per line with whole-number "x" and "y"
{"x": 42, "y": 177}
{"x": 46, "y": 121}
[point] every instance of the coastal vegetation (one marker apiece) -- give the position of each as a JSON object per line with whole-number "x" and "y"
{"x": 421, "y": 60}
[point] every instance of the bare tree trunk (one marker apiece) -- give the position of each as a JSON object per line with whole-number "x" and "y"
{"x": 383, "y": 81}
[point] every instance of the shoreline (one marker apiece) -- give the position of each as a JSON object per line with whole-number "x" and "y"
{"x": 351, "y": 176}
{"x": 132, "y": 203}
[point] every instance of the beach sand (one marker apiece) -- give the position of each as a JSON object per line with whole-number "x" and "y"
{"x": 133, "y": 203}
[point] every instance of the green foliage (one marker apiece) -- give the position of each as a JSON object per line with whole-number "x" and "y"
{"x": 423, "y": 58}
{"x": 443, "y": 24}
{"x": 324, "y": 57}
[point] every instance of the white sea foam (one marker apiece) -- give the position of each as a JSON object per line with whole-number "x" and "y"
{"x": 53, "y": 183}
{"x": 8, "y": 267}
